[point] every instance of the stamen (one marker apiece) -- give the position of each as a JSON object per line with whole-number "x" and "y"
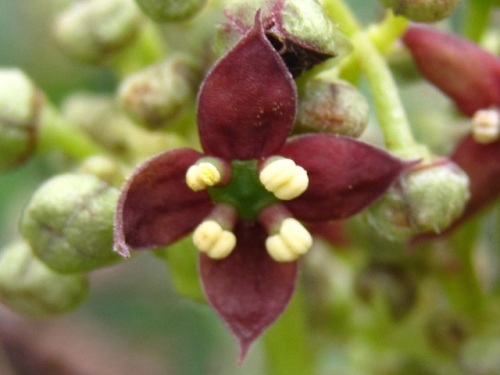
{"x": 292, "y": 241}
{"x": 210, "y": 238}
{"x": 486, "y": 125}
{"x": 202, "y": 175}
{"x": 285, "y": 179}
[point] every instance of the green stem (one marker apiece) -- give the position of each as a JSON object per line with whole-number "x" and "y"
{"x": 390, "y": 112}
{"x": 477, "y": 18}
{"x": 56, "y": 134}
{"x": 385, "y": 34}
{"x": 287, "y": 342}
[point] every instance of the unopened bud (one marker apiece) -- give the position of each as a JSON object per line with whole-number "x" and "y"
{"x": 20, "y": 108}
{"x": 101, "y": 119}
{"x": 157, "y": 95}
{"x": 332, "y": 106}
{"x": 390, "y": 284}
{"x": 93, "y": 30}
{"x": 69, "y": 223}
{"x": 170, "y": 10}
{"x": 300, "y": 30}
{"x": 28, "y": 286}
{"x": 422, "y": 10}
{"x": 427, "y": 199}
{"x": 447, "y": 332}
{"x": 104, "y": 168}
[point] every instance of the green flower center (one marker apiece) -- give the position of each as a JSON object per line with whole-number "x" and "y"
{"x": 244, "y": 192}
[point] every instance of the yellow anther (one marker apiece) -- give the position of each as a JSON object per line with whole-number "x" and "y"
{"x": 486, "y": 125}
{"x": 210, "y": 238}
{"x": 285, "y": 179}
{"x": 292, "y": 241}
{"x": 202, "y": 175}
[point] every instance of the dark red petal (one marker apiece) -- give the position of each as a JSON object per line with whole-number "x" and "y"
{"x": 345, "y": 175}
{"x": 246, "y": 105}
{"x": 481, "y": 162}
{"x": 156, "y": 207}
{"x": 458, "y": 67}
{"x": 248, "y": 289}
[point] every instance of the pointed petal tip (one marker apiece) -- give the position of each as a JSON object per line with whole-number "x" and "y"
{"x": 244, "y": 347}
{"x": 122, "y": 250}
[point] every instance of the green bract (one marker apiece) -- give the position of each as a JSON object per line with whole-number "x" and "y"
{"x": 69, "y": 223}
{"x": 28, "y": 286}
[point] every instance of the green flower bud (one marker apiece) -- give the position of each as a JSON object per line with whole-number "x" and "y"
{"x": 299, "y": 29}
{"x": 104, "y": 168}
{"x": 28, "y": 286}
{"x": 332, "y": 106}
{"x": 69, "y": 223}
{"x": 389, "y": 284}
{"x": 93, "y": 30}
{"x": 447, "y": 332}
{"x": 158, "y": 94}
{"x": 170, "y": 10}
{"x": 427, "y": 199}
{"x": 422, "y": 10}
{"x": 21, "y": 105}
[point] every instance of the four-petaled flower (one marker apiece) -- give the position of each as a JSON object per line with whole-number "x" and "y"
{"x": 470, "y": 76}
{"x": 243, "y": 198}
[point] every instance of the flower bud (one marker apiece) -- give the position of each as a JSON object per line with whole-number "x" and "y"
{"x": 69, "y": 223}
{"x": 427, "y": 199}
{"x": 104, "y": 168}
{"x": 100, "y": 118}
{"x": 93, "y": 30}
{"x": 392, "y": 284}
{"x": 332, "y": 106}
{"x": 447, "y": 332}
{"x": 170, "y": 10}
{"x": 422, "y": 10}
{"x": 20, "y": 112}
{"x": 450, "y": 63}
{"x": 28, "y": 286}
{"x": 158, "y": 94}
{"x": 300, "y": 30}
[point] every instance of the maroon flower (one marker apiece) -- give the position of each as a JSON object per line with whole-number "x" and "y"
{"x": 470, "y": 76}
{"x": 244, "y": 196}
